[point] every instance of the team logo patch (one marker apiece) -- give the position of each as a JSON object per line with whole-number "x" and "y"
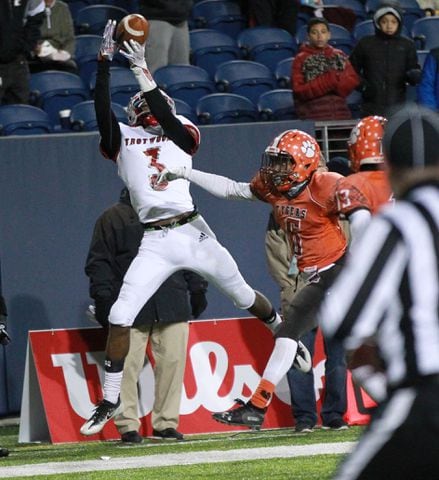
{"x": 308, "y": 149}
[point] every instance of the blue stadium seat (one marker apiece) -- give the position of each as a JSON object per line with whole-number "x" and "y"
{"x": 185, "y": 109}
{"x": 354, "y": 101}
{"x": 277, "y": 105}
{"x": 86, "y": 56}
{"x": 209, "y": 48}
{"x": 220, "y": 108}
{"x": 83, "y": 116}
{"x": 282, "y": 72}
{"x": 23, "y": 120}
{"x": 422, "y": 55}
{"x": 411, "y": 15}
{"x": 340, "y": 37}
{"x": 93, "y": 18}
{"x": 186, "y": 82}
{"x": 266, "y": 45}
{"x": 222, "y": 15}
{"x": 244, "y": 77}
{"x": 53, "y": 91}
{"x": 425, "y": 32}
{"x": 76, "y": 5}
{"x": 123, "y": 84}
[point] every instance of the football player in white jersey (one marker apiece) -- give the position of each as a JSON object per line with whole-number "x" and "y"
{"x": 176, "y": 236}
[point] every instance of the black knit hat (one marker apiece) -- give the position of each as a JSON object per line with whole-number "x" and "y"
{"x": 411, "y": 138}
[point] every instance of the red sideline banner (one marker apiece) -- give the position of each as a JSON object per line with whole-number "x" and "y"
{"x": 64, "y": 374}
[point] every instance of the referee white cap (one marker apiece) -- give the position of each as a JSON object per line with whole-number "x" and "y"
{"x": 411, "y": 138}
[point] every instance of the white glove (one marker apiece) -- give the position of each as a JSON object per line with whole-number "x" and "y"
{"x": 169, "y": 174}
{"x": 108, "y": 46}
{"x": 136, "y": 56}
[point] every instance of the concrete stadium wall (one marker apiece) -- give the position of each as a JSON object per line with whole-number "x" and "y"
{"x": 52, "y": 190}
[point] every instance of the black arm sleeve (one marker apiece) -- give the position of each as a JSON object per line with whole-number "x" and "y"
{"x": 107, "y": 123}
{"x": 171, "y": 125}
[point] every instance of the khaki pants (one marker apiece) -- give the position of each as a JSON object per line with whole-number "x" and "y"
{"x": 168, "y": 345}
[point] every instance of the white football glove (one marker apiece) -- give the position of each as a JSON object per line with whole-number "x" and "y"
{"x": 169, "y": 174}
{"x": 135, "y": 53}
{"x": 108, "y": 46}
{"x": 136, "y": 56}
{"x": 303, "y": 359}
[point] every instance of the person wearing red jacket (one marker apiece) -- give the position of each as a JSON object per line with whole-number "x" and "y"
{"x": 322, "y": 76}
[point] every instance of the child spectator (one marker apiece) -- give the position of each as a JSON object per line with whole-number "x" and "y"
{"x": 385, "y": 62}
{"x": 322, "y": 76}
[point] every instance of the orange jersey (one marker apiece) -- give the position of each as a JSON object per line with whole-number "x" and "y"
{"x": 366, "y": 189}
{"x": 311, "y": 219}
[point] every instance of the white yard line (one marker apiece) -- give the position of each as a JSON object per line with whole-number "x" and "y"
{"x": 164, "y": 460}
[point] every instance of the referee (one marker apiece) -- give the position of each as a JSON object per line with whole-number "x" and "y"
{"x": 388, "y": 293}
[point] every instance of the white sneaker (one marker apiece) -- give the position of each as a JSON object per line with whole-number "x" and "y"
{"x": 104, "y": 411}
{"x": 303, "y": 360}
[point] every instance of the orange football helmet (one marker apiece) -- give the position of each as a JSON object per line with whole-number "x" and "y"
{"x": 290, "y": 160}
{"x": 364, "y": 143}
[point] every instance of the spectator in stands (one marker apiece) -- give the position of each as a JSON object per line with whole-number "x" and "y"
{"x": 56, "y": 47}
{"x": 168, "y": 40}
{"x": 428, "y": 89}
{"x": 19, "y": 33}
{"x": 273, "y": 13}
{"x": 322, "y": 76}
{"x": 430, "y": 7}
{"x": 162, "y": 321}
{"x": 385, "y": 61}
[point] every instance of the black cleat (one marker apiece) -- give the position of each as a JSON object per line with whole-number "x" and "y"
{"x": 104, "y": 411}
{"x": 246, "y": 415}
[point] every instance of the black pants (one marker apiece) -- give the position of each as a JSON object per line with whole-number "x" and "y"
{"x": 302, "y": 314}
{"x": 14, "y": 82}
{"x": 402, "y": 440}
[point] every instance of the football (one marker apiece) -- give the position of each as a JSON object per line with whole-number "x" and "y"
{"x": 132, "y": 27}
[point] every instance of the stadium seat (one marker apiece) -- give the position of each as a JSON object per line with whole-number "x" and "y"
{"x": 244, "y": 77}
{"x": 266, "y": 45}
{"x": 209, "y": 48}
{"x": 185, "y": 109}
{"x": 340, "y": 37}
{"x": 123, "y": 84}
{"x": 76, "y": 5}
{"x": 425, "y": 32}
{"x": 83, "y": 116}
{"x": 355, "y": 5}
{"x": 220, "y": 108}
{"x": 422, "y": 55}
{"x": 222, "y": 15}
{"x": 411, "y": 15}
{"x": 93, "y": 18}
{"x": 86, "y": 55}
{"x": 23, "y": 120}
{"x": 354, "y": 101}
{"x": 53, "y": 91}
{"x": 186, "y": 82}
{"x": 282, "y": 72}
{"x": 277, "y": 105}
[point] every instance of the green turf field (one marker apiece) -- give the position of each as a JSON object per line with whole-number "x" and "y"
{"x": 200, "y": 450}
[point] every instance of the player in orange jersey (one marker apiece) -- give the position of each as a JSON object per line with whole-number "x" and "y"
{"x": 364, "y": 192}
{"x": 305, "y": 206}
{"x": 368, "y": 188}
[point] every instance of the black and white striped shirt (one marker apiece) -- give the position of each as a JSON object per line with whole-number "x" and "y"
{"x": 389, "y": 289}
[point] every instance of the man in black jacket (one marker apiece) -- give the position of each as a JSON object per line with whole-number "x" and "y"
{"x": 19, "y": 33}
{"x": 162, "y": 321}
